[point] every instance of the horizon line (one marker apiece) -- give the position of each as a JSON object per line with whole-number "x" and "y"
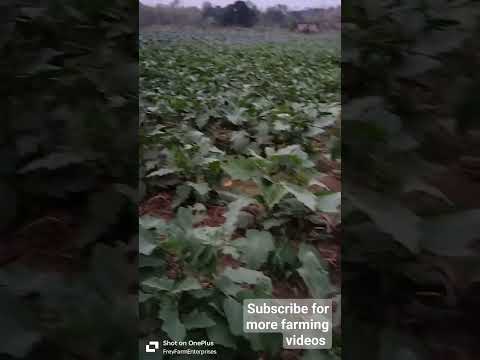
{"x": 259, "y": 7}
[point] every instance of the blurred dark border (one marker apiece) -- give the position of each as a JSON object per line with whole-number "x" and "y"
{"x": 411, "y": 193}
{"x": 68, "y": 185}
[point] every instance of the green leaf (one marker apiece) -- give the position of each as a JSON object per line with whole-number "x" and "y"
{"x": 272, "y": 223}
{"x": 142, "y": 297}
{"x": 146, "y": 241}
{"x": 171, "y": 321}
{"x": 237, "y": 117}
{"x": 285, "y": 255}
{"x": 201, "y": 188}
{"x": 203, "y": 119}
{"x": 281, "y": 126}
{"x": 240, "y": 140}
{"x": 159, "y": 284}
{"x": 220, "y": 335}
{"x": 306, "y": 197}
{"x": 54, "y": 161}
{"x": 390, "y": 217}
{"x": 188, "y": 284}
{"x": 227, "y": 286}
{"x": 255, "y": 247}
{"x": 246, "y": 276}
{"x": 329, "y": 203}
{"x": 273, "y": 194}
{"x": 241, "y": 169}
{"x": 182, "y": 193}
{"x": 316, "y": 277}
{"x": 150, "y": 262}
{"x": 234, "y": 314}
{"x": 185, "y": 218}
{"x": 416, "y": 184}
{"x": 197, "y": 320}
{"x": 232, "y": 215}
{"x": 151, "y": 222}
{"x": 161, "y": 172}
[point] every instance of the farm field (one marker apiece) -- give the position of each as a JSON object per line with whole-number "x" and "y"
{"x": 240, "y": 179}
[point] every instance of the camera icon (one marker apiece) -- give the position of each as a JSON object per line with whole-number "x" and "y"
{"x": 152, "y": 346}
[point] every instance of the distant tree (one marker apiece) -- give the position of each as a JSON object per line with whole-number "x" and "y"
{"x": 252, "y": 5}
{"x": 277, "y": 16}
{"x": 255, "y": 9}
{"x": 239, "y": 14}
{"x": 211, "y": 14}
{"x": 206, "y": 6}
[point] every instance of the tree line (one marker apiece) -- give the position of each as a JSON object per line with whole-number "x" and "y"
{"x": 239, "y": 13}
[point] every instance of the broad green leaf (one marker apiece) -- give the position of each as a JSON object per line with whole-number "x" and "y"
{"x": 272, "y": 223}
{"x": 273, "y": 194}
{"x": 143, "y": 297}
{"x": 162, "y": 172}
{"x": 240, "y": 140}
{"x": 159, "y": 284}
{"x": 237, "y": 117}
{"x": 181, "y": 194}
{"x": 227, "y": 286}
{"x": 306, "y": 197}
{"x": 185, "y": 218}
{"x": 150, "y": 261}
{"x": 246, "y": 276}
{"x": 241, "y": 169}
{"x": 390, "y": 217}
{"x": 220, "y": 335}
{"x": 202, "y": 120}
{"x": 201, "y": 188}
{"x": 416, "y": 184}
{"x": 146, "y": 244}
{"x": 255, "y": 247}
{"x": 188, "y": 284}
{"x": 197, "y": 320}
{"x": 234, "y": 314}
{"x": 232, "y": 216}
{"x": 54, "y": 161}
{"x": 281, "y": 126}
{"x": 314, "y": 274}
{"x": 171, "y": 321}
{"x": 329, "y": 203}
{"x": 151, "y": 222}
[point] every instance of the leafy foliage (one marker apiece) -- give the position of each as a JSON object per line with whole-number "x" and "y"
{"x": 69, "y": 70}
{"x": 235, "y": 204}
{"x": 400, "y": 143}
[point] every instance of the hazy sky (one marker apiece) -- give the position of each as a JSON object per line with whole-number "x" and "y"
{"x": 294, "y": 4}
